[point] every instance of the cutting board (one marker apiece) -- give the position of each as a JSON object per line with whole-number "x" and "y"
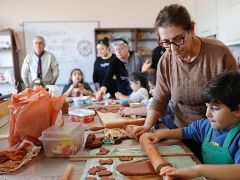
{"x": 4, "y": 113}
{"x": 113, "y": 120}
{"x": 4, "y": 108}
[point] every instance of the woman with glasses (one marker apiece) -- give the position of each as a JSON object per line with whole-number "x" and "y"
{"x": 187, "y": 65}
{"x": 101, "y": 64}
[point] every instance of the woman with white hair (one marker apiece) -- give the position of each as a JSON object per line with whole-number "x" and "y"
{"x": 125, "y": 63}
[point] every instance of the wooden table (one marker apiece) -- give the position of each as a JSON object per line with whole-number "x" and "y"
{"x": 42, "y": 167}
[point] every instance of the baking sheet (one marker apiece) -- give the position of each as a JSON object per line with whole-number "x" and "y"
{"x": 179, "y": 162}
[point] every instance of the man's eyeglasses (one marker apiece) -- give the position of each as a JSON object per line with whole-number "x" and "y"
{"x": 177, "y": 41}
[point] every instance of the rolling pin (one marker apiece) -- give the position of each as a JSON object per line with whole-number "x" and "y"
{"x": 67, "y": 172}
{"x": 155, "y": 157}
{"x": 95, "y": 128}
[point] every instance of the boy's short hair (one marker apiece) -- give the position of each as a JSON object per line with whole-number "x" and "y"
{"x": 224, "y": 88}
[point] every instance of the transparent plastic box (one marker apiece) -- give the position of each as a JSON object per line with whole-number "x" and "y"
{"x": 62, "y": 141}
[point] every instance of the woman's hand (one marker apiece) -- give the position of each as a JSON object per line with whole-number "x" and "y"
{"x": 137, "y": 131}
{"x": 118, "y": 95}
{"x": 146, "y": 66}
{"x": 101, "y": 92}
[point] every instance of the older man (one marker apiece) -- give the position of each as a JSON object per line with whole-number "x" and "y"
{"x": 40, "y": 64}
{"x": 125, "y": 63}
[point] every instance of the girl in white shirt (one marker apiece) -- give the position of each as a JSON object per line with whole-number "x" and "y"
{"x": 139, "y": 85}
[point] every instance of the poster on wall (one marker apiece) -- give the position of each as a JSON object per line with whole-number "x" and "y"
{"x": 73, "y": 44}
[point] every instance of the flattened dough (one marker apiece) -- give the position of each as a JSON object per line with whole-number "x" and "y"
{"x": 126, "y": 158}
{"x": 142, "y": 168}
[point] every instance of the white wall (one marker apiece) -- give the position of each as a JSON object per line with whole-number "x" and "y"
{"x": 109, "y": 13}
{"x": 191, "y": 7}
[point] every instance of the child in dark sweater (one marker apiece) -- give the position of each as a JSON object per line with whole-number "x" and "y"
{"x": 77, "y": 86}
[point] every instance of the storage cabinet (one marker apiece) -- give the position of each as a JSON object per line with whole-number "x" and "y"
{"x": 228, "y": 12}
{"x": 206, "y": 18}
{"x": 141, "y": 40}
{"x": 9, "y": 63}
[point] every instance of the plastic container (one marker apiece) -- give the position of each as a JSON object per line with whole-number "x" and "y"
{"x": 81, "y": 112}
{"x": 62, "y": 141}
{"x": 81, "y": 115}
{"x": 81, "y": 101}
{"x": 54, "y": 90}
{"x": 84, "y": 120}
{"x": 124, "y": 103}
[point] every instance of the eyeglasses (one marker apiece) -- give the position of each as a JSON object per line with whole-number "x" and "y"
{"x": 177, "y": 41}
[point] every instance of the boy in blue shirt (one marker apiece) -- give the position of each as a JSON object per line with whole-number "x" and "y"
{"x": 219, "y": 133}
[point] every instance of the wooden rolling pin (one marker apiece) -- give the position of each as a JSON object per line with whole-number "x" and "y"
{"x": 95, "y": 128}
{"x": 155, "y": 157}
{"x": 67, "y": 172}
{"x": 86, "y": 156}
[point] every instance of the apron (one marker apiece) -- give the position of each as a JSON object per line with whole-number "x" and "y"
{"x": 215, "y": 154}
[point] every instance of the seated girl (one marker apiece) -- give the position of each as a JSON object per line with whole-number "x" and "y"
{"x": 142, "y": 111}
{"x": 139, "y": 85}
{"x": 77, "y": 86}
{"x": 167, "y": 118}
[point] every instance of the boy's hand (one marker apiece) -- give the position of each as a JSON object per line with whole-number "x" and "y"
{"x": 166, "y": 170}
{"x": 152, "y": 137}
{"x": 183, "y": 173}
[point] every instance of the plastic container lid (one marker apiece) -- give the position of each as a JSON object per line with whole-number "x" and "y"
{"x": 67, "y": 131}
{"x": 62, "y": 141}
{"x": 81, "y": 112}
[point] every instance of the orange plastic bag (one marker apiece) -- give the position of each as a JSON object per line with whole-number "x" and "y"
{"x": 31, "y": 112}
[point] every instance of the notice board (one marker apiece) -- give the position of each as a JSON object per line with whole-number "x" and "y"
{"x": 73, "y": 44}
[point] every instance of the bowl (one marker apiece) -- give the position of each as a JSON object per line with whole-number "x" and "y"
{"x": 124, "y": 102}
{"x": 81, "y": 112}
{"x": 80, "y": 101}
